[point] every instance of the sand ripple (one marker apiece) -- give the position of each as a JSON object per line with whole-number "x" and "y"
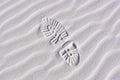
{"x": 94, "y": 25}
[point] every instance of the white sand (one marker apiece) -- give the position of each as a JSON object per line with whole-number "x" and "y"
{"x": 94, "y": 25}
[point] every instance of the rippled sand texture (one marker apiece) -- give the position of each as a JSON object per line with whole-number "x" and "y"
{"x": 94, "y": 25}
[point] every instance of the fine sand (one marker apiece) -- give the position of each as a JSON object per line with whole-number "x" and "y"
{"x": 25, "y": 54}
